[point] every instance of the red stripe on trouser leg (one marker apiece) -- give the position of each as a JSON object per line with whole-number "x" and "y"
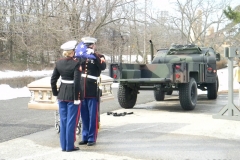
{"x": 77, "y": 121}
{"x": 95, "y": 138}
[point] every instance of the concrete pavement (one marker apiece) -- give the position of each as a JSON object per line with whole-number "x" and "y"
{"x": 45, "y": 145}
{"x": 156, "y": 131}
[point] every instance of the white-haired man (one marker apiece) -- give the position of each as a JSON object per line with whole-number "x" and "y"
{"x": 91, "y": 67}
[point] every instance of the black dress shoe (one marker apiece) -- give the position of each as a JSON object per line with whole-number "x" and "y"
{"x": 91, "y": 143}
{"x": 75, "y": 149}
{"x": 82, "y": 142}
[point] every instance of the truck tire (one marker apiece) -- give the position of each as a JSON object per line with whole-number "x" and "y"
{"x": 126, "y": 97}
{"x": 159, "y": 95}
{"x": 188, "y": 95}
{"x": 212, "y": 89}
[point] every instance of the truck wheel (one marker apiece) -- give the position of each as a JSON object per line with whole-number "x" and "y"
{"x": 188, "y": 95}
{"x": 159, "y": 95}
{"x": 126, "y": 97}
{"x": 212, "y": 89}
{"x": 169, "y": 92}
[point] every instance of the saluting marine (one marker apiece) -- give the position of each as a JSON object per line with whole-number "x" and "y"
{"x": 92, "y": 64}
{"x": 67, "y": 95}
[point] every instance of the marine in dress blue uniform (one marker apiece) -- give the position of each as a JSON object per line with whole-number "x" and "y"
{"x": 92, "y": 64}
{"x": 68, "y": 95}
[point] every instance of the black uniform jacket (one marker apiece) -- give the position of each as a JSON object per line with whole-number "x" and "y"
{"x": 92, "y": 67}
{"x": 68, "y": 69}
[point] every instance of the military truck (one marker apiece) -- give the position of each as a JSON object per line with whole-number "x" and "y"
{"x": 182, "y": 68}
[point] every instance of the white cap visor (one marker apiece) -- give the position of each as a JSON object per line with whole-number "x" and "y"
{"x": 70, "y": 45}
{"x": 89, "y": 40}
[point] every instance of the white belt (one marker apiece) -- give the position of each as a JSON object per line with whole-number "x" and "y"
{"x": 89, "y": 76}
{"x": 67, "y": 81}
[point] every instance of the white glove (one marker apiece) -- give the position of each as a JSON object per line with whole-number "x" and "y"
{"x": 90, "y": 51}
{"x": 77, "y": 102}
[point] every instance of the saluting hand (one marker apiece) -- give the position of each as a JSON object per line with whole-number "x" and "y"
{"x": 102, "y": 59}
{"x": 80, "y": 68}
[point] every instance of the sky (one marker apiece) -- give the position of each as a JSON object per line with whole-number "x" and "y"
{"x": 166, "y": 5}
{"x": 6, "y": 92}
{"x": 169, "y": 5}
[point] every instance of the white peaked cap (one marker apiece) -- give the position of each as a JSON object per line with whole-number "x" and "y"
{"x": 69, "y": 45}
{"x": 89, "y": 40}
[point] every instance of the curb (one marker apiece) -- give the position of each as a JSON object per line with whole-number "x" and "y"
{"x": 226, "y": 91}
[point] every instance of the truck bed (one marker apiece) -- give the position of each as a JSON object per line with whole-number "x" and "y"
{"x": 145, "y": 72}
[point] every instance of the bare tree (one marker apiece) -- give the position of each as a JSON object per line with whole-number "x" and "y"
{"x": 197, "y": 17}
{"x": 31, "y": 31}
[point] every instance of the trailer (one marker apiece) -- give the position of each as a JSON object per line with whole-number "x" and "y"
{"x": 182, "y": 68}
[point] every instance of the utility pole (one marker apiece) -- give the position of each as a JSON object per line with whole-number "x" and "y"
{"x": 135, "y": 25}
{"x": 10, "y": 42}
{"x": 144, "y": 38}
